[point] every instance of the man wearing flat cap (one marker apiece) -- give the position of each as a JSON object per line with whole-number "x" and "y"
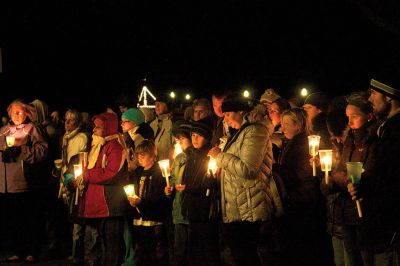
{"x": 162, "y": 126}
{"x": 380, "y": 191}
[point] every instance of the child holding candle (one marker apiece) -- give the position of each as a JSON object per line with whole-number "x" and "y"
{"x": 181, "y": 131}
{"x": 149, "y": 207}
{"x": 196, "y": 198}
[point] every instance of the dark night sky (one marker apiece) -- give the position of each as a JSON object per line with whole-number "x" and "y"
{"x": 87, "y": 52}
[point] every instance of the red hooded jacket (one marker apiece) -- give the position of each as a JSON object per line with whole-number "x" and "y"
{"x": 105, "y": 196}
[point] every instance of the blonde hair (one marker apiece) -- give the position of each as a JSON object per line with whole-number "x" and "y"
{"x": 29, "y": 110}
{"x": 77, "y": 116}
{"x": 298, "y": 116}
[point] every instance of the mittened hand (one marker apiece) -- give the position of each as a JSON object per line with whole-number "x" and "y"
{"x": 10, "y": 154}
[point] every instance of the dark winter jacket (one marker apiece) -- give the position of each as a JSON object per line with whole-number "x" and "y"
{"x": 196, "y": 202}
{"x": 380, "y": 189}
{"x": 359, "y": 146}
{"x": 294, "y": 168}
{"x": 153, "y": 200}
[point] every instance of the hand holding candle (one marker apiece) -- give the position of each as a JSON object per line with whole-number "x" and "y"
{"x": 132, "y": 197}
{"x": 354, "y": 171}
{"x": 168, "y": 191}
{"x": 129, "y": 190}
{"x": 165, "y": 170}
{"x": 313, "y": 145}
{"x": 325, "y": 157}
{"x": 212, "y": 166}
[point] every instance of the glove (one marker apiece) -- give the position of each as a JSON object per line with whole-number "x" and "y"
{"x": 11, "y": 154}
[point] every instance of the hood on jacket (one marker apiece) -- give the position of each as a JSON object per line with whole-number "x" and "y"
{"x": 40, "y": 111}
{"x": 110, "y": 122}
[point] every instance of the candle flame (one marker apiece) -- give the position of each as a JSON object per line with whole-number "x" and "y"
{"x": 129, "y": 190}
{"x": 164, "y": 166}
{"x": 212, "y": 165}
{"x": 10, "y": 140}
{"x": 77, "y": 170}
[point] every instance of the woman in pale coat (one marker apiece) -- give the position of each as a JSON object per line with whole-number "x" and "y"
{"x": 248, "y": 193}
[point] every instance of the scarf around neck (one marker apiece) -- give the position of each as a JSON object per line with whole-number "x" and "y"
{"x": 97, "y": 143}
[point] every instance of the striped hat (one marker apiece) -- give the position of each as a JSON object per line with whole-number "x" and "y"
{"x": 385, "y": 89}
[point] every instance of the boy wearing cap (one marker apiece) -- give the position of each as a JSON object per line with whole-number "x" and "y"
{"x": 196, "y": 198}
{"x": 181, "y": 132}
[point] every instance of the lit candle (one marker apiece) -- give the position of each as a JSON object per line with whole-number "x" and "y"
{"x": 212, "y": 165}
{"x": 164, "y": 166}
{"x": 77, "y": 170}
{"x": 313, "y": 145}
{"x": 326, "y": 162}
{"x": 10, "y": 140}
{"x": 78, "y": 174}
{"x": 83, "y": 159}
{"x": 130, "y": 190}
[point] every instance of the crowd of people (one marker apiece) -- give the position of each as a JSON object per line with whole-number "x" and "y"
{"x": 239, "y": 188}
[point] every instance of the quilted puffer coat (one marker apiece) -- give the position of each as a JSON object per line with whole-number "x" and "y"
{"x": 248, "y": 191}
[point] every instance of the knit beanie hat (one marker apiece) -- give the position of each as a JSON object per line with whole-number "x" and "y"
{"x": 269, "y": 96}
{"x": 235, "y": 104}
{"x": 203, "y": 127}
{"x": 181, "y": 127}
{"x": 165, "y": 98}
{"x": 319, "y": 100}
{"x": 134, "y": 115}
{"x": 387, "y": 82}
